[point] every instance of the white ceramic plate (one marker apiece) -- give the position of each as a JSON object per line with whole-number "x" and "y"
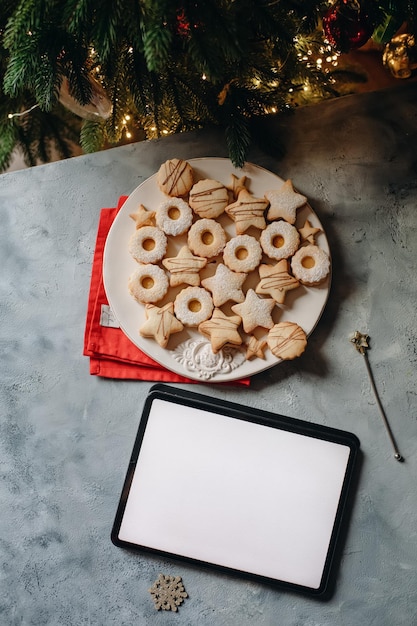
{"x": 188, "y": 352}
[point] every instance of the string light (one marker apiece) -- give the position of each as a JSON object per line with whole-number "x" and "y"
{"x": 12, "y": 115}
{"x": 125, "y": 127}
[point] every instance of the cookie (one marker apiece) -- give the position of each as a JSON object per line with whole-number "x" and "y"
{"x": 148, "y": 244}
{"x": 174, "y": 217}
{"x": 279, "y": 240}
{"x": 308, "y": 233}
{"x": 242, "y": 253}
{"x": 143, "y": 217}
{"x": 255, "y": 348}
{"x": 175, "y": 177}
{"x": 221, "y": 330}
{"x": 236, "y": 185}
{"x": 208, "y": 198}
{"x": 225, "y": 285}
{"x": 161, "y": 323}
{"x": 287, "y": 340}
{"x": 247, "y": 211}
{"x": 206, "y": 238}
{"x": 184, "y": 268}
{"x": 284, "y": 203}
{"x": 193, "y": 305}
{"x": 148, "y": 283}
{"x": 255, "y": 311}
{"x": 310, "y": 265}
{"x": 276, "y": 281}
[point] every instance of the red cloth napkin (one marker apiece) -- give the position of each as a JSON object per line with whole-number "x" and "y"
{"x": 112, "y": 354}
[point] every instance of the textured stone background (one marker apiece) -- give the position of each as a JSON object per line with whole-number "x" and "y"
{"x": 66, "y": 437}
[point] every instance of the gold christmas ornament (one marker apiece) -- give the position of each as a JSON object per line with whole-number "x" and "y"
{"x": 99, "y": 105}
{"x": 400, "y": 55}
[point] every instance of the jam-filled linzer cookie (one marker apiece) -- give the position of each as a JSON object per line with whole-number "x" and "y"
{"x": 175, "y": 177}
{"x": 148, "y": 283}
{"x": 193, "y": 305}
{"x": 310, "y": 265}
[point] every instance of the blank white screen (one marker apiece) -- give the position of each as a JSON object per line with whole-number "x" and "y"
{"x": 235, "y": 493}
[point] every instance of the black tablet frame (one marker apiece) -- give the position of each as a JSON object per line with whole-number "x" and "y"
{"x": 257, "y": 416}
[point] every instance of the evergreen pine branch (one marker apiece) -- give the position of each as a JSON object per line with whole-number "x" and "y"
{"x": 23, "y": 20}
{"x": 92, "y": 136}
{"x": 238, "y": 138}
{"x": 119, "y": 97}
{"x": 22, "y": 67}
{"x": 76, "y": 67}
{"x": 198, "y": 103}
{"x": 156, "y": 36}
{"x": 77, "y": 17}
{"x": 9, "y": 136}
{"x": 138, "y": 77}
{"x": 152, "y": 55}
{"x": 106, "y": 27}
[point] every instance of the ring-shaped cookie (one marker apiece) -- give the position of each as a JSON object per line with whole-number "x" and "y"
{"x": 193, "y": 305}
{"x": 148, "y": 244}
{"x": 206, "y": 238}
{"x": 174, "y": 216}
{"x": 242, "y": 253}
{"x": 148, "y": 283}
{"x": 280, "y": 240}
{"x": 310, "y": 265}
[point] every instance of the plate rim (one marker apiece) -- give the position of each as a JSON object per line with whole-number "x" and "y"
{"x": 256, "y": 366}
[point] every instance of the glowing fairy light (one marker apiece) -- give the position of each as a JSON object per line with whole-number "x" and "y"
{"x": 22, "y": 113}
{"x": 125, "y": 126}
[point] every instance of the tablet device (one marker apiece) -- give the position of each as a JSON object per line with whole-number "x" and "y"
{"x": 246, "y": 491}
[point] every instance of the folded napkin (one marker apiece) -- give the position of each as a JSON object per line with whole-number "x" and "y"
{"x": 111, "y": 353}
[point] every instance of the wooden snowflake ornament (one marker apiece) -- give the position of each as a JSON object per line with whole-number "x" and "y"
{"x": 168, "y": 592}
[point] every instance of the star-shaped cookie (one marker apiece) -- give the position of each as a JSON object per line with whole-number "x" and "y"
{"x": 255, "y": 311}
{"x": 276, "y": 281}
{"x": 284, "y": 203}
{"x": 184, "y": 268}
{"x": 225, "y": 285}
{"x": 221, "y": 330}
{"x": 255, "y": 348}
{"x": 236, "y": 185}
{"x": 161, "y": 323}
{"x": 247, "y": 211}
{"x": 308, "y": 232}
{"x": 143, "y": 217}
